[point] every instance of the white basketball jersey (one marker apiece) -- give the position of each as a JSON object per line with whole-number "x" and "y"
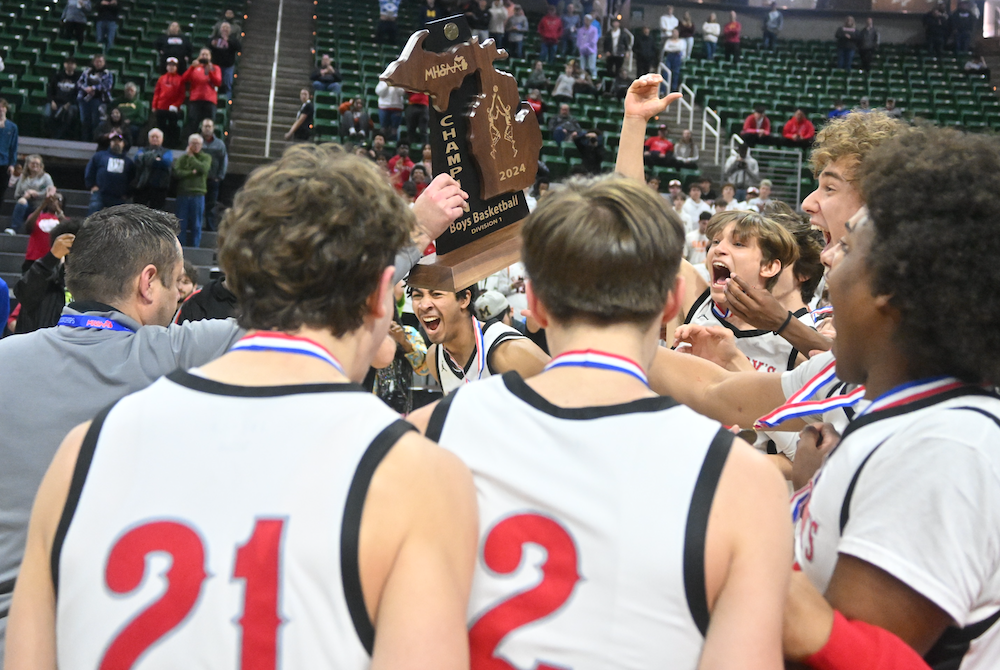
{"x": 227, "y": 538}
{"x": 452, "y": 378}
{"x": 914, "y": 490}
{"x": 768, "y": 352}
{"x": 592, "y": 527}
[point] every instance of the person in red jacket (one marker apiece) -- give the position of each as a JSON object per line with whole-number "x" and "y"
{"x": 799, "y": 131}
{"x": 756, "y": 127}
{"x": 204, "y": 78}
{"x": 168, "y": 97}
{"x": 550, "y": 30}
{"x": 658, "y": 150}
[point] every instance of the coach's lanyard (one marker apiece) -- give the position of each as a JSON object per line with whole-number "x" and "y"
{"x": 909, "y": 392}
{"x": 801, "y": 404}
{"x": 287, "y": 344}
{"x": 93, "y": 322}
{"x": 599, "y": 360}
{"x": 477, "y": 329}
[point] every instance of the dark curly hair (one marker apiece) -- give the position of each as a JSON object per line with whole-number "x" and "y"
{"x": 934, "y": 197}
{"x": 307, "y": 239}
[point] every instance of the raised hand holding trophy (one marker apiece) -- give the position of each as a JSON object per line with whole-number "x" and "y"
{"x": 484, "y": 136}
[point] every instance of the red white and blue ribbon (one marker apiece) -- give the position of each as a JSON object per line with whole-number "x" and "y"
{"x": 912, "y": 392}
{"x": 719, "y": 314}
{"x": 477, "y": 329}
{"x": 822, "y": 312}
{"x": 287, "y": 344}
{"x": 599, "y": 360}
{"x": 800, "y": 403}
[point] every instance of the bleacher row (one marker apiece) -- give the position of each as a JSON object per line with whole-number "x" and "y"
{"x": 32, "y": 49}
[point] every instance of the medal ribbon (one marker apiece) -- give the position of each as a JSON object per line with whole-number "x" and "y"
{"x": 719, "y": 314}
{"x": 93, "y": 322}
{"x": 287, "y": 344}
{"x": 599, "y": 360}
{"x": 800, "y": 403}
{"x": 911, "y": 392}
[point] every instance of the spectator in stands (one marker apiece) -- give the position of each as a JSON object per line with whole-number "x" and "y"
{"x": 592, "y": 153}
{"x": 728, "y": 202}
{"x": 478, "y": 16}
{"x": 390, "y": 108}
{"x": 686, "y": 153}
{"x": 868, "y": 42}
{"x": 675, "y": 190}
{"x": 756, "y": 127}
{"x": 571, "y": 21}
{"x": 33, "y": 187}
{"x": 563, "y": 89}
{"x": 134, "y": 110}
{"x": 731, "y": 38}
{"x": 668, "y": 22}
{"x": 39, "y": 224}
{"x": 108, "y": 175}
{"x": 583, "y": 83}
{"x": 693, "y": 208}
{"x": 204, "y": 79}
{"x": 977, "y": 65}
{"x": 153, "y": 166}
{"x": 751, "y": 193}
{"x": 617, "y": 43}
{"x": 187, "y": 283}
{"x": 847, "y": 43}
{"x": 428, "y": 12}
{"x": 550, "y": 29}
{"x": 864, "y": 106}
{"x": 419, "y": 179}
{"x": 773, "y": 23}
{"x": 710, "y": 32}
{"x": 426, "y": 156}
{"x": 963, "y": 22}
{"x": 400, "y": 165}
{"x": 838, "y": 110}
{"x": 168, "y": 97}
{"x": 191, "y": 170}
{"x": 658, "y": 150}
{"x": 564, "y": 126}
{"x": 173, "y": 44}
{"x": 8, "y": 148}
{"x": 537, "y": 77}
{"x": 763, "y": 199}
{"x": 498, "y": 22}
{"x": 517, "y": 28}
{"x": 707, "y": 193}
{"x": 107, "y": 23}
{"x": 417, "y": 117}
{"x": 224, "y": 48}
{"x": 936, "y": 28}
{"x": 228, "y": 16}
{"x": 214, "y": 146}
{"x": 535, "y": 102}
{"x": 618, "y": 87}
{"x": 212, "y": 301}
{"x": 301, "y": 130}
{"x": 41, "y": 290}
{"x": 799, "y": 131}
{"x": 645, "y": 50}
{"x": 326, "y": 76}
{"x": 673, "y": 58}
{"x": 115, "y": 124}
{"x": 388, "y": 12}
{"x": 61, "y": 112}
{"x": 741, "y": 170}
{"x": 74, "y": 20}
{"x": 93, "y": 95}
{"x": 686, "y": 31}
{"x": 891, "y": 109}
{"x": 586, "y": 44}
{"x": 696, "y": 243}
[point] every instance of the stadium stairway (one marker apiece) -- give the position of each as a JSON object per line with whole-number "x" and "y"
{"x": 253, "y": 86}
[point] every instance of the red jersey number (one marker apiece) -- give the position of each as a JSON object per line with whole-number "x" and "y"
{"x": 502, "y": 553}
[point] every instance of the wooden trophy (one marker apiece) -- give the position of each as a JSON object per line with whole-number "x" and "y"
{"x": 484, "y": 136}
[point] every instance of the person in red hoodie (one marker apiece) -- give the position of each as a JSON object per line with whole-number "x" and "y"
{"x": 168, "y": 97}
{"x": 799, "y": 131}
{"x": 550, "y": 30}
{"x": 756, "y": 127}
{"x": 204, "y": 79}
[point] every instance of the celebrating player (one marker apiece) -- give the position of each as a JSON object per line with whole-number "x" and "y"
{"x": 294, "y": 515}
{"x": 465, "y": 350}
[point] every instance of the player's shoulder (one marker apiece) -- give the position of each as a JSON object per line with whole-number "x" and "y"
{"x": 964, "y": 428}
{"x": 416, "y": 468}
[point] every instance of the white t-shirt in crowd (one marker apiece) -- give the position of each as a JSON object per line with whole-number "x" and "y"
{"x": 691, "y": 211}
{"x": 668, "y": 22}
{"x": 710, "y": 31}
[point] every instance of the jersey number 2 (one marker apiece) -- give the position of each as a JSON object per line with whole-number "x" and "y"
{"x": 502, "y": 553}
{"x": 257, "y": 562}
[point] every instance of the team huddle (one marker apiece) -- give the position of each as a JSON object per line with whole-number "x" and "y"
{"x": 592, "y": 508}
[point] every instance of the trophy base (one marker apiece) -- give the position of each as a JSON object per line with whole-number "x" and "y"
{"x": 469, "y": 264}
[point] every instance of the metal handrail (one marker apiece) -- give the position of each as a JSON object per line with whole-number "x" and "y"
{"x": 683, "y": 104}
{"x": 715, "y": 131}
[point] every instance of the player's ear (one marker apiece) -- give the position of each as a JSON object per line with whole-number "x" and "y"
{"x": 674, "y": 298}
{"x": 770, "y": 269}
{"x": 538, "y": 311}
{"x": 382, "y": 299}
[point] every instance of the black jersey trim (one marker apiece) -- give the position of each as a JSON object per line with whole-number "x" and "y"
{"x": 948, "y": 652}
{"x": 435, "y": 425}
{"x": 697, "y": 303}
{"x": 516, "y": 385}
{"x": 505, "y": 337}
{"x": 351, "y": 528}
{"x": 736, "y": 331}
{"x": 6, "y": 588}
{"x": 845, "y": 507}
{"x": 197, "y": 383}
{"x": 80, "y": 471}
{"x": 696, "y": 532}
